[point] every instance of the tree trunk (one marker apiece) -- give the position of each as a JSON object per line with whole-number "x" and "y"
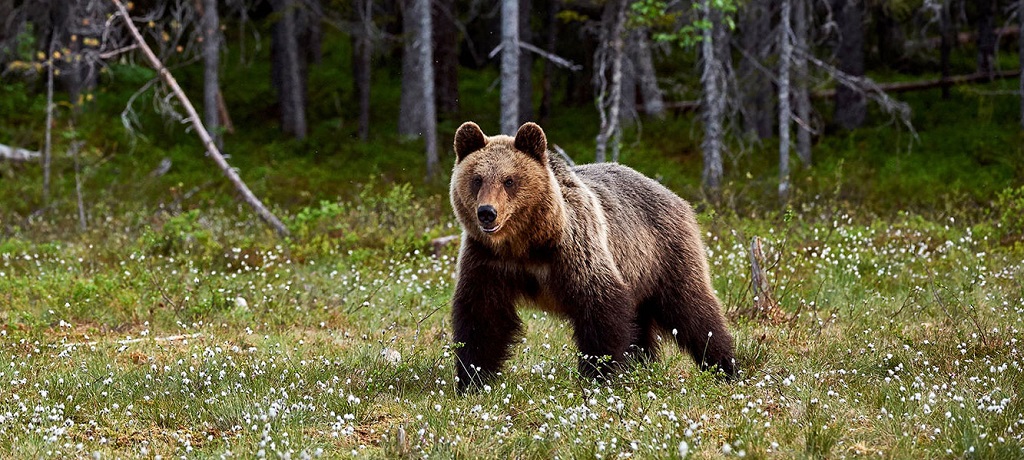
{"x": 850, "y": 104}
{"x": 802, "y": 96}
{"x": 525, "y": 63}
{"x": 410, "y": 114}
{"x": 755, "y": 84}
{"x": 946, "y": 33}
{"x": 48, "y": 146}
{"x": 289, "y": 69}
{"x": 197, "y": 124}
{"x": 446, "y": 57}
{"x": 646, "y": 77}
{"x": 509, "y": 66}
{"x": 547, "y": 90}
{"x": 211, "y": 72}
{"x": 785, "y": 60}
{"x": 608, "y": 60}
{"x": 425, "y": 43}
{"x": 713, "y": 101}
{"x": 362, "y": 54}
{"x": 986, "y": 36}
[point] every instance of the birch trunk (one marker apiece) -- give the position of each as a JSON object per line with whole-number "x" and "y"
{"x": 48, "y": 146}
{"x": 509, "y": 66}
{"x": 211, "y": 73}
{"x": 425, "y": 43}
{"x": 785, "y": 60}
{"x": 712, "y": 104}
{"x": 289, "y": 73}
{"x": 609, "y": 98}
{"x": 211, "y": 148}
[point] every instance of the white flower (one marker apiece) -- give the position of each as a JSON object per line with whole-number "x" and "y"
{"x": 684, "y": 449}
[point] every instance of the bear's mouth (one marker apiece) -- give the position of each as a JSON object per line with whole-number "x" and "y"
{"x": 490, "y": 229}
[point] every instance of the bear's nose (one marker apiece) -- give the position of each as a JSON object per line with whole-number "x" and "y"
{"x": 487, "y": 214}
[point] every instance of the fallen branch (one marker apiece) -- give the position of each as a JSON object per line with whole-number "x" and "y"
{"x": 440, "y": 242}
{"x": 17, "y": 154}
{"x": 204, "y": 135}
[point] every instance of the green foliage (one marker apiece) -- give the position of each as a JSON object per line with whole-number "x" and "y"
{"x": 670, "y": 26}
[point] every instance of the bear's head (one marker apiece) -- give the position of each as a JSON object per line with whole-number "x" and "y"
{"x": 503, "y": 189}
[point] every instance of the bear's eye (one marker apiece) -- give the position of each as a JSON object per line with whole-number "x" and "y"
{"x": 509, "y": 183}
{"x": 478, "y": 181}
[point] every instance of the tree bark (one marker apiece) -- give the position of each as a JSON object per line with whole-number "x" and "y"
{"x": 646, "y": 77}
{"x": 946, "y": 33}
{"x": 986, "y": 36}
{"x": 525, "y": 63}
{"x": 785, "y": 60}
{"x": 850, "y": 104}
{"x": 551, "y": 42}
{"x": 446, "y": 57}
{"x": 509, "y": 66}
{"x": 713, "y": 101}
{"x": 211, "y": 70}
{"x": 289, "y": 69}
{"x": 410, "y": 115}
{"x": 608, "y": 60}
{"x": 48, "y": 142}
{"x": 802, "y": 96}
{"x": 197, "y": 124}
{"x": 425, "y": 43}
{"x": 755, "y": 84}
{"x": 362, "y": 54}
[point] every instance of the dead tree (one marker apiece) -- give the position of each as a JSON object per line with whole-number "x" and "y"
{"x": 510, "y": 66}
{"x": 608, "y": 78}
{"x": 712, "y": 81}
{"x": 785, "y": 115}
{"x": 197, "y": 124}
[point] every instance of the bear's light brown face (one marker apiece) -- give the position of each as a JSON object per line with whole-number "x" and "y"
{"x": 501, "y": 185}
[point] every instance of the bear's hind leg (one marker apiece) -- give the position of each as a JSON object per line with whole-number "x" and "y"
{"x": 693, "y": 315}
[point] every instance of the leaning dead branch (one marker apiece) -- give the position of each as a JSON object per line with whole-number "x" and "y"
{"x": 17, "y": 154}
{"x": 197, "y": 124}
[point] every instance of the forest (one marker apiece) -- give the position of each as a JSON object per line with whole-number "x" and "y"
{"x": 225, "y": 226}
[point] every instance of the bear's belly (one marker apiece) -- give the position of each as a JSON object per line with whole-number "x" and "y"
{"x": 540, "y": 290}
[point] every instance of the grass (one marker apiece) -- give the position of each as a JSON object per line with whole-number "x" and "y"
{"x": 195, "y": 336}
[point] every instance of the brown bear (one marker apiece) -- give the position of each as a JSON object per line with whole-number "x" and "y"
{"x": 616, "y": 253}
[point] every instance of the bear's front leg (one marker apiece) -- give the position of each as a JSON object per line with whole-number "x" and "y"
{"x": 603, "y": 318}
{"x": 485, "y": 323}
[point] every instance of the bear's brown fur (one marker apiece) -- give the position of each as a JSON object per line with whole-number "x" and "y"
{"x": 615, "y": 252}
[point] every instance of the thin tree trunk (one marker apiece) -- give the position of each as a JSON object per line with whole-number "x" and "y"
{"x": 509, "y": 66}
{"x": 525, "y": 63}
{"x": 288, "y": 63}
{"x": 851, "y": 105}
{"x": 785, "y": 60}
{"x": 609, "y": 98}
{"x": 211, "y": 72}
{"x": 410, "y": 115}
{"x": 47, "y": 147}
{"x": 755, "y": 85}
{"x": 446, "y": 57}
{"x": 946, "y": 42}
{"x": 361, "y": 62}
{"x": 197, "y": 124}
{"x": 647, "y": 78}
{"x": 712, "y": 104}
{"x": 425, "y": 43}
{"x": 802, "y": 95}
{"x": 547, "y": 90}
{"x": 986, "y": 36}
{"x": 74, "y": 150}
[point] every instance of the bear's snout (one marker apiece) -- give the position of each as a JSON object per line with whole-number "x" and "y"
{"x": 487, "y": 215}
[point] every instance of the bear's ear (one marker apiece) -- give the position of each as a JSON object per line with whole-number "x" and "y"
{"x": 530, "y": 139}
{"x": 468, "y": 139}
